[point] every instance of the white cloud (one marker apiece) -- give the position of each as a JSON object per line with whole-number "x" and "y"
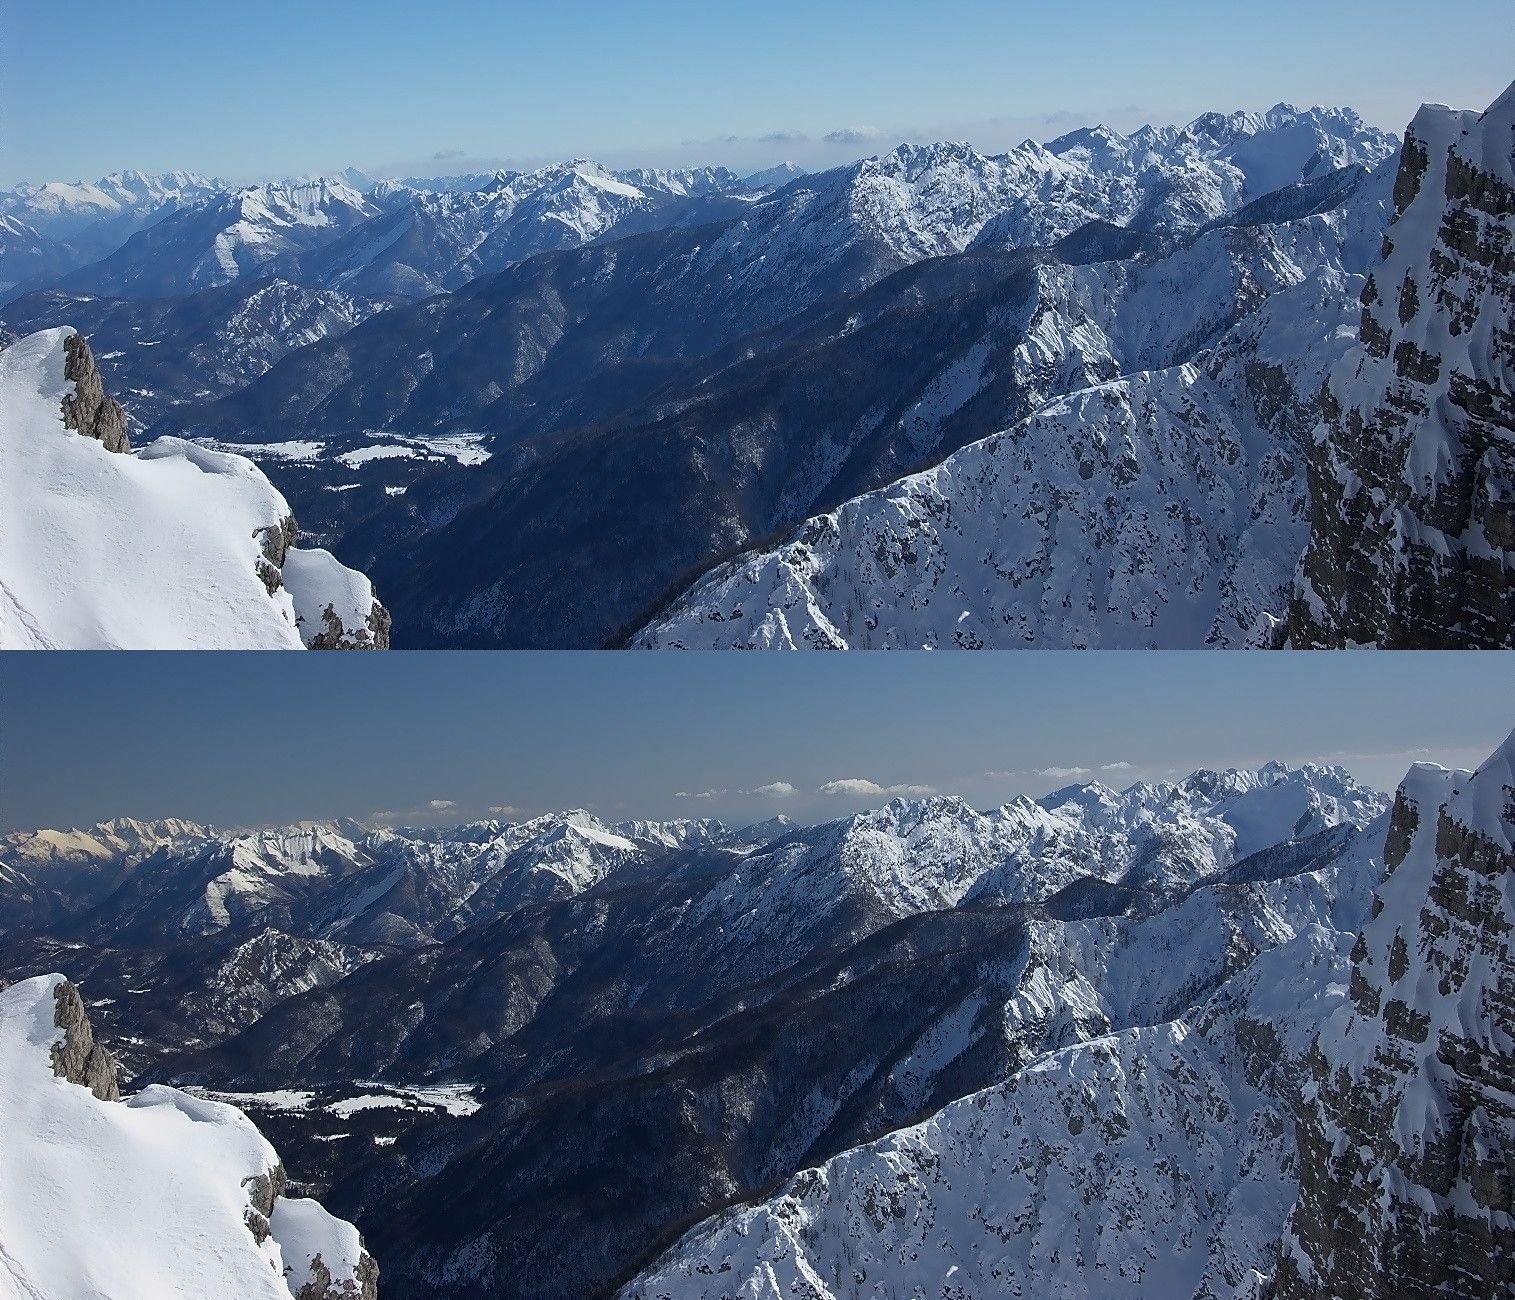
{"x": 1063, "y": 773}
{"x": 698, "y": 794}
{"x": 858, "y": 788}
{"x": 504, "y": 809}
{"x": 780, "y": 789}
{"x": 441, "y": 805}
{"x": 855, "y": 135}
{"x": 1116, "y": 767}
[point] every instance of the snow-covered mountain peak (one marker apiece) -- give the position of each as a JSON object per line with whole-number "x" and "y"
{"x": 296, "y": 848}
{"x": 774, "y": 178}
{"x": 1485, "y": 803}
{"x": 63, "y": 209}
{"x": 318, "y": 200}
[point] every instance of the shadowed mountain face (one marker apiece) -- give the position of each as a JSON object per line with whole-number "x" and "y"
{"x": 558, "y": 1042}
{"x": 701, "y": 434}
{"x": 159, "y": 353}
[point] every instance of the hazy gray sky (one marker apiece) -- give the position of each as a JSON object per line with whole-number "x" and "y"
{"x": 245, "y": 740}
{"x": 290, "y": 86}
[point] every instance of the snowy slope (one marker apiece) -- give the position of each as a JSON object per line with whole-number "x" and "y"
{"x": 174, "y": 546}
{"x": 26, "y": 252}
{"x": 1154, "y": 1162}
{"x": 1156, "y": 505}
{"x": 161, "y": 1197}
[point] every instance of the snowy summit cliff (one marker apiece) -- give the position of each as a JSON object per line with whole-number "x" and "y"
{"x": 172, "y": 546}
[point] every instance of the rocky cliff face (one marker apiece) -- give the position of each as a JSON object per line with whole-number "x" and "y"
{"x": 1412, "y": 474}
{"x": 1407, "y": 1136}
{"x": 88, "y": 409}
{"x": 78, "y": 1058}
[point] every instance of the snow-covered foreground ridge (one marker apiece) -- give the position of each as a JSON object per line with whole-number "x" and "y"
{"x": 162, "y": 1196}
{"x": 173, "y": 546}
{"x": 1334, "y": 1119}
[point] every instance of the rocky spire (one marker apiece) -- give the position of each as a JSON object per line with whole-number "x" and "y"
{"x": 88, "y": 410}
{"x": 78, "y": 1058}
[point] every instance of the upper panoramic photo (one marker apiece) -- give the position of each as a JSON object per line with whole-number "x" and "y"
{"x": 825, "y": 325}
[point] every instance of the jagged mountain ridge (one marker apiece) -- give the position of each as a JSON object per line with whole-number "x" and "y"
{"x": 907, "y": 994}
{"x": 846, "y": 396}
{"x": 433, "y": 241}
{"x": 504, "y": 361}
{"x": 1018, "y": 540}
{"x": 1407, "y": 490}
{"x": 1399, "y": 1167}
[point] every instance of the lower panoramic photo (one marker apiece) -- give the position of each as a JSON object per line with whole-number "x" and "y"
{"x": 677, "y": 977}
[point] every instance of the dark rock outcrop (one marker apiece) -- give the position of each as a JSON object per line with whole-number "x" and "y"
{"x": 335, "y": 635}
{"x": 78, "y": 1058}
{"x": 1412, "y": 474}
{"x": 363, "y": 1286}
{"x": 89, "y": 410}
{"x": 263, "y": 1191}
{"x": 1407, "y": 1133}
{"x": 275, "y": 543}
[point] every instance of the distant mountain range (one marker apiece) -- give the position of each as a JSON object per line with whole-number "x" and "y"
{"x": 524, "y": 1058}
{"x": 1062, "y": 396}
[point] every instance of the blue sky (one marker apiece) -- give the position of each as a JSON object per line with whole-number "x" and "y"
{"x": 291, "y": 86}
{"x": 247, "y": 740}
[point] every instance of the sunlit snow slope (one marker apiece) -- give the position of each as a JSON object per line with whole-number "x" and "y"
{"x": 174, "y": 546}
{"x": 162, "y": 1196}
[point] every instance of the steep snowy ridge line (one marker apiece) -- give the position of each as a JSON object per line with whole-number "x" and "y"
{"x": 1408, "y": 1128}
{"x": 171, "y": 546}
{"x": 75, "y": 1156}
